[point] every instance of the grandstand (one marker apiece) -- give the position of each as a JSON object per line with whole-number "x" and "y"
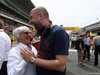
{"x": 15, "y": 12}
{"x": 94, "y": 28}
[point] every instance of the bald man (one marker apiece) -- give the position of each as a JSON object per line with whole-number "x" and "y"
{"x": 53, "y": 47}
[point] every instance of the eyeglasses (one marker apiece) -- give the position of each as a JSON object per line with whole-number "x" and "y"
{"x": 27, "y": 33}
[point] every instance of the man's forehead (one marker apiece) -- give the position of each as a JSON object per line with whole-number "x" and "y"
{"x": 32, "y": 12}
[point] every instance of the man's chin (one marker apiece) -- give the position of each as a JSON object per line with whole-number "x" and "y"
{"x": 29, "y": 42}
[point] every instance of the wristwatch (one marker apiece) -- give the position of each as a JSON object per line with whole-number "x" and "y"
{"x": 33, "y": 59}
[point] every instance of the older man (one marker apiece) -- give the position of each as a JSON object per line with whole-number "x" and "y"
{"x": 5, "y": 45}
{"x": 16, "y": 65}
{"x": 53, "y": 48}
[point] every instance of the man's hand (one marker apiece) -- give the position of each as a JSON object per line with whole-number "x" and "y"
{"x": 82, "y": 51}
{"x": 92, "y": 49}
{"x": 89, "y": 44}
{"x": 26, "y": 54}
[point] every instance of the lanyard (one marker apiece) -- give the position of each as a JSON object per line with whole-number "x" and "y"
{"x": 40, "y": 45}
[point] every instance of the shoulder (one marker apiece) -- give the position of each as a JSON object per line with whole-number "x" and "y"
{"x": 4, "y": 36}
{"x": 88, "y": 37}
{"x": 12, "y": 51}
{"x": 80, "y": 40}
{"x": 15, "y": 48}
{"x": 57, "y": 28}
{"x": 97, "y": 37}
{"x": 15, "y": 51}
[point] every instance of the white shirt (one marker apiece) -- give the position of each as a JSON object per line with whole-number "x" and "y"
{"x": 16, "y": 65}
{"x": 97, "y": 40}
{"x": 5, "y": 45}
{"x": 87, "y": 41}
{"x": 73, "y": 38}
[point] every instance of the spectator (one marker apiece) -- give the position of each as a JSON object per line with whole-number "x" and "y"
{"x": 73, "y": 41}
{"x": 88, "y": 43}
{"x": 96, "y": 43}
{"x": 11, "y": 37}
{"x": 5, "y": 45}
{"x": 80, "y": 49}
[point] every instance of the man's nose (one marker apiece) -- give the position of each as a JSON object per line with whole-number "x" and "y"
{"x": 30, "y": 22}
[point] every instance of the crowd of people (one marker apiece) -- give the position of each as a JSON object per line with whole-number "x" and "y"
{"x": 9, "y": 26}
{"x": 83, "y": 43}
{"x": 12, "y": 15}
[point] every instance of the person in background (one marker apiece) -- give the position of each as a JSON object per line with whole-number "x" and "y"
{"x": 5, "y": 45}
{"x": 73, "y": 41}
{"x": 88, "y": 43}
{"x": 96, "y": 44}
{"x": 80, "y": 50}
{"x": 70, "y": 41}
{"x": 31, "y": 34}
{"x": 78, "y": 37}
{"x": 16, "y": 65}
{"x": 11, "y": 36}
{"x": 53, "y": 47}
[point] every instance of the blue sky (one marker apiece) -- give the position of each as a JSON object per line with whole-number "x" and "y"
{"x": 71, "y": 13}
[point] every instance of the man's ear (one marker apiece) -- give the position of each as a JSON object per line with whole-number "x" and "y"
{"x": 41, "y": 16}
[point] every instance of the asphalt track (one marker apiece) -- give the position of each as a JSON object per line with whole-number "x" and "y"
{"x": 88, "y": 69}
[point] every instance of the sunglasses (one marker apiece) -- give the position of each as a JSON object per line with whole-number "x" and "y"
{"x": 26, "y": 33}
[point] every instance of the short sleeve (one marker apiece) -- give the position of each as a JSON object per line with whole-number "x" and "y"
{"x": 61, "y": 45}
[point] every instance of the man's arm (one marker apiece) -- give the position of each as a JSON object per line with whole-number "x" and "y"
{"x": 80, "y": 46}
{"x": 2, "y": 51}
{"x": 93, "y": 46}
{"x": 90, "y": 42}
{"x": 58, "y": 64}
{"x": 94, "y": 43}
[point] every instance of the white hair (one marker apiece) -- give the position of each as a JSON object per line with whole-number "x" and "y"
{"x": 17, "y": 31}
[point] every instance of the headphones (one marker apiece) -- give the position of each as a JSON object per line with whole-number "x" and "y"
{"x": 44, "y": 31}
